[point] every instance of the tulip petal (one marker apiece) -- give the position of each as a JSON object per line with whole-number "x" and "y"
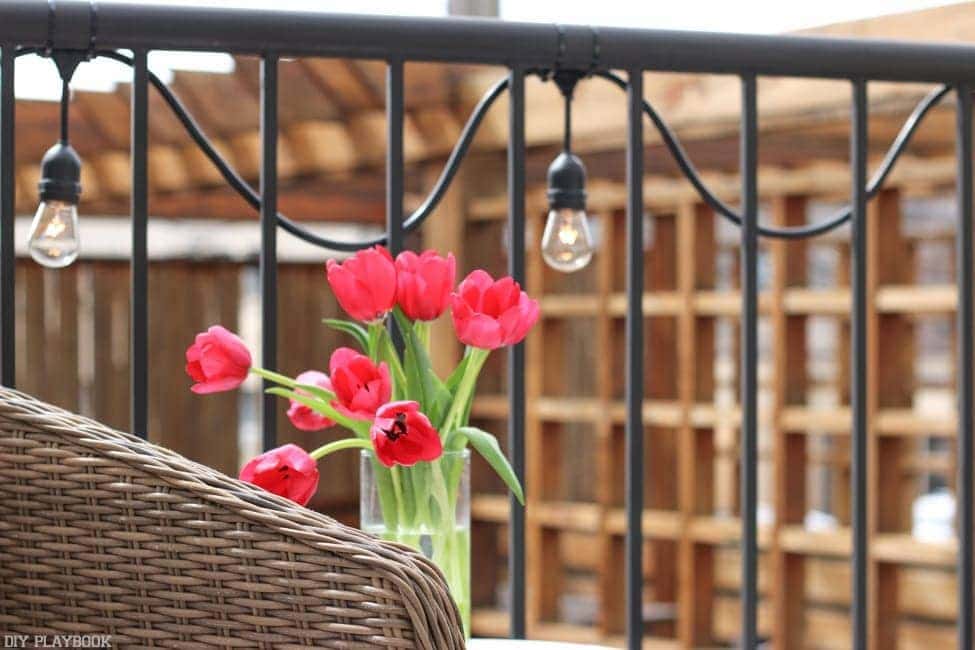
{"x": 215, "y": 362}
{"x": 194, "y": 370}
{"x": 216, "y": 385}
{"x": 232, "y": 345}
{"x": 484, "y": 332}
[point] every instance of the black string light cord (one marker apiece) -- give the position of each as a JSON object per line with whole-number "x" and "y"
{"x": 251, "y": 196}
{"x": 897, "y": 147}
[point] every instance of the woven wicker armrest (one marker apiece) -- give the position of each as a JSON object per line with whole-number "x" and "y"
{"x": 102, "y": 533}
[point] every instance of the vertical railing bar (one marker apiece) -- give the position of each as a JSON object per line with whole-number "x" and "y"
{"x": 394, "y": 156}
{"x": 749, "y": 362}
{"x": 634, "y": 363}
{"x": 966, "y": 380}
{"x": 516, "y": 353}
{"x": 268, "y": 259}
{"x": 394, "y": 170}
{"x": 8, "y": 184}
{"x": 140, "y": 261}
{"x": 858, "y": 362}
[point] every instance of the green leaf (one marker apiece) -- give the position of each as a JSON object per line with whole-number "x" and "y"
{"x": 414, "y": 384}
{"x": 487, "y": 445}
{"x": 355, "y": 330}
{"x": 402, "y": 322}
{"x": 454, "y": 379}
{"x": 386, "y": 352}
{"x": 421, "y": 378}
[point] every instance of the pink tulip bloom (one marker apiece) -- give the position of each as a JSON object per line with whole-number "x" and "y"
{"x": 424, "y": 283}
{"x": 360, "y": 386}
{"x": 217, "y": 361}
{"x": 364, "y": 284}
{"x": 287, "y": 471}
{"x": 303, "y": 417}
{"x": 402, "y": 435}
{"x": 490, "y": 314}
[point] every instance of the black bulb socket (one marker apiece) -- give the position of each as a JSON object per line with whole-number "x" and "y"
{"x": 567, "y": 183}
{"x": 60, "y": 174}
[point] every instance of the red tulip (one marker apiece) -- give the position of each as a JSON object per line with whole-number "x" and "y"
{"x": 424, "y": 283}
{"x": 402, "y": 435}
{"x": 364, "y": 284}
{"x": 287, "y": 471}
{"x": 489, "y": 314}
{"x": 217, "y": 361}
{"x": 303, "y": 417}
{"x": 360, "y": 386}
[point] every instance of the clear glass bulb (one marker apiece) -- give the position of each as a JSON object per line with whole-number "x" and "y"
{"x": 567, "y": 244}
{"x": 54, "y": 234}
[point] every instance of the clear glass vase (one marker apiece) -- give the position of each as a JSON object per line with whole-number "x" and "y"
{"x": 427, "y": 507}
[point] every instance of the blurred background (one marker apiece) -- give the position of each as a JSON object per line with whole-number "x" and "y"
{"x": 73, "y": 330}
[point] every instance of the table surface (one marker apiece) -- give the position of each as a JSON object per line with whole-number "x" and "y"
{"x": 508, "y": 644}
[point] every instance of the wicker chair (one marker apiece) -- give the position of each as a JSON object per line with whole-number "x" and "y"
{"x": 103, "y": 533}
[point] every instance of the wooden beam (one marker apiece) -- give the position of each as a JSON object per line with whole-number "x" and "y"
{"x": 200, "y": 169}
{"x": 890, "y": 379}
{"x": 246, "y": 148}
{"x": 372, "y": 76}
{"x": 342, "y": 84}
{"x": 167, "y": 169}
{"x": 226, "y": 103}
{"x": 107, "y": 114}
{"x": 322, "y": 146}
{"x": 610, "y": 574}
{"x": 789, "y": 359}
{"x": 439, "y": 127}
{"x": 695, "y": 341}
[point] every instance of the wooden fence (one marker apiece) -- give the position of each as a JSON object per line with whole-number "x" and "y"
{"x": 73, "y": 338}
{"x": 575, "y": 521}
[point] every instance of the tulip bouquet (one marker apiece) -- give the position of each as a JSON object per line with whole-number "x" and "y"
{"x": 410, "y": 424}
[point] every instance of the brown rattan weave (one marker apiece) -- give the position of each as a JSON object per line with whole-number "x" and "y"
{"x": 103, "y": 533}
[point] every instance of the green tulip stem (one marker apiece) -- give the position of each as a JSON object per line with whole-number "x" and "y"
{"x": 465, "y": 390}
{"x": 358, "y": 427}
{"x": 277, "y": 378}
{"x": 422, "y": 329}
{"x": 375, "y": 333}
{"x": 339, "y": 445}
{"x": 398, "y": 491}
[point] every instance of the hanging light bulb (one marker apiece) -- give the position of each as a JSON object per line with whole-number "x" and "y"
{"x": 54, "y": 241}
{"x": 567, "y": 243}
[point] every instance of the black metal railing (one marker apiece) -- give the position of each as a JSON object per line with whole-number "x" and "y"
{"x": 33, "y": 26}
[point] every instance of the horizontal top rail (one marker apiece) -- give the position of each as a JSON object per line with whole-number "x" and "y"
{"x": 472, "y": 40}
